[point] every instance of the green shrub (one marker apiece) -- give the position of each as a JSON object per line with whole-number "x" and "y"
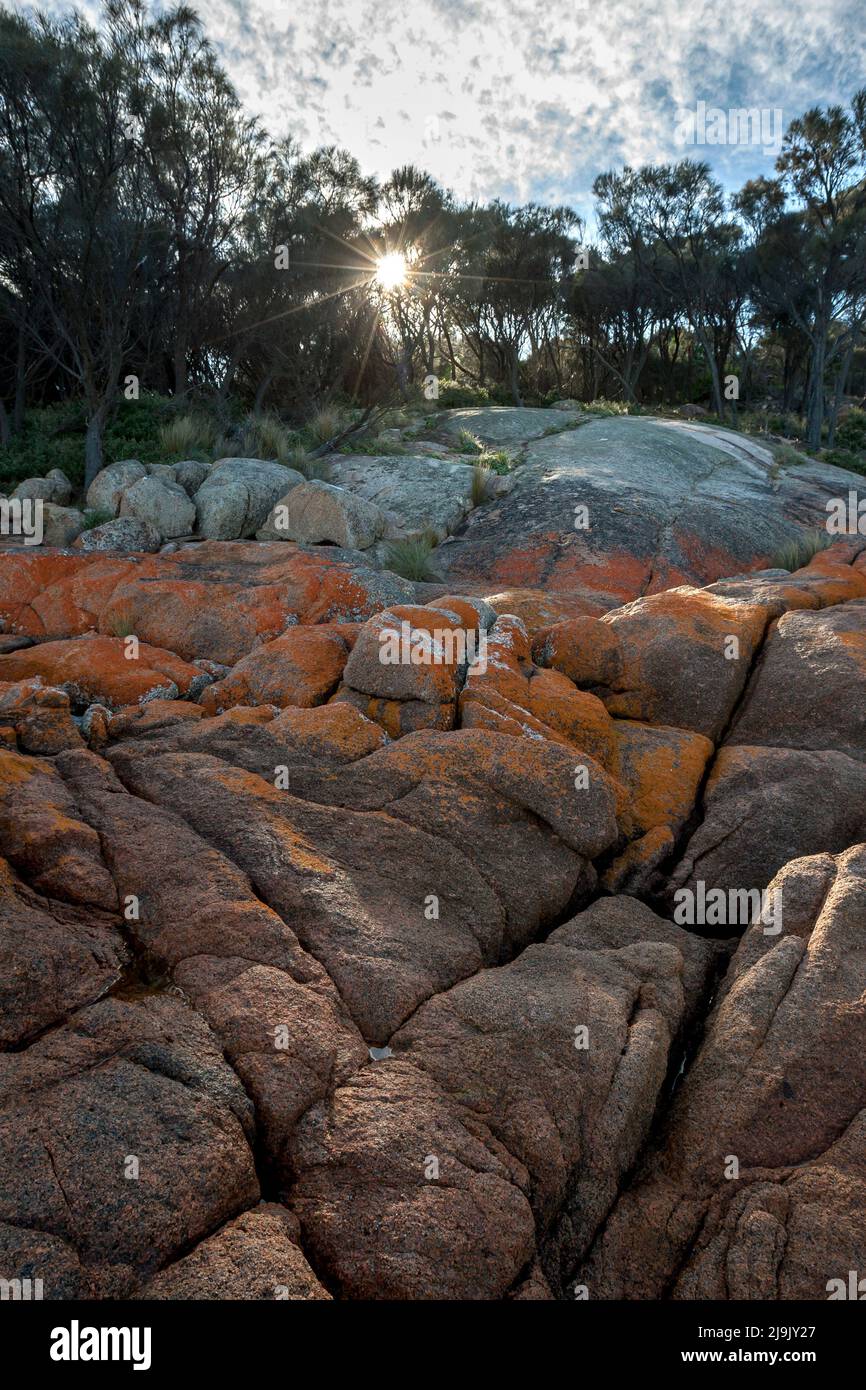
{"x": 121, "y": 624}
{"x": 468, "y": 444}
{"x": 851, "y": 432}
{"x": 498, "y": 462}
{"x": 373, "y": 447}
{"x": 786, "y": 457}
{"x": 608, "y": 407}
{"x": 454, "y": 395}
{"x": 94, "y": 517}
{"x": 845, "y": 458}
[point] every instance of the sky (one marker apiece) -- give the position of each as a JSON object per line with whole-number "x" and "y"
{"x": 530, "y": 99}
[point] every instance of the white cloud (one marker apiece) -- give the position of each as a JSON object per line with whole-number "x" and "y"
{"x": 529, "y": 98}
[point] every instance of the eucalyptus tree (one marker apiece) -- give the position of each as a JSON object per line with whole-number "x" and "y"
{"x": 74, "y": 220}
{"x": 201, "y": 157}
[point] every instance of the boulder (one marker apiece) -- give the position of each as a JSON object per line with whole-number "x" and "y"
{"x": 629, "y": 506}
{"x": 60, "y": 525}
{"x": 317, "y": 512}
{"x": 684, "y": 657}
{"x": 754, "y": 1187}
{"x": 100, "y": 668}
{"x": 162, "y": 506}
{"x": 810, "y": 689}
{"x": 132, "y": 1106}
{"x": 36, "y": 717}
{"x": 417, "y": 494}
{"x": 256, "y": 1256}
{"x": 763, "y": 807}
{"x": 213, "y": 599}
{"x": 351, "y": 855}
{"x": 190, "y": 473}
{"x": 107, "y": 489}
{"x": 123, "y": 533}
{"x": 237, "y": 495}
{"x": 55, "y": 958}
{"x": 402, "y": 1195}
{"x": 303, "y": 667}
{"x": 54, "y": 487}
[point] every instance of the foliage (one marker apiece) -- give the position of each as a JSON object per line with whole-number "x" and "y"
{"x": 468, "y": 443}
{"x": 154, "y": 241}
{"x": 93, "y": 517}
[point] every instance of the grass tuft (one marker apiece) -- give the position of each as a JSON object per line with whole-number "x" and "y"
{"x": 798, "y": 553}
{"x": 411, "y": 558}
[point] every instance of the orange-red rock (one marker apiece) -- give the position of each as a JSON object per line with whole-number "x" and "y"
{"x": 112, "y": 671}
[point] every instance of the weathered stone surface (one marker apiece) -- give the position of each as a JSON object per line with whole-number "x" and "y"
{"x": 505, "y": 424}
{"x": 54, "y": 487}
{"x": 662, "y": 770}
{"x": 352, "y": 856}
{"x": 214, "y": 600}
{"x": 303, "y": 667}
{"x": 379, "y": 665}
{"x": 256, "y": 1256}
{"x": 97, "y": 669}
{"x": 416, "y": 495}
{"x": 766, "y": 806}
{"x": 768, "y": 1090}
{"x": 314, "y": 941}
{"x": 572, "y": 1107}
{"x": 36, "y": 717}
{"x": 810, "y": 688}
{"x": 142, "y": 1081}
{"x": 54, "y": 959}
{"x": 60, "y": 525}
{"x": 44, "y": 837}
{"x": 106, "y": 491}
{"x": 318, "y": 512}
{"x": 161, "y": 505}
{"x": 402, "y": 1235}
{"x": 123, "y": 533}
{"x": 137, "y": 721}
{"x": 190, "y": 473}
{"x": 685, "y": 658}
{"x": 236, "y": 496}
{"x": 669, "y": 503}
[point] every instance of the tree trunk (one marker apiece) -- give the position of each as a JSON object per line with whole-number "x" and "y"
{"x": 93, "y": 454}
{"x": 816, "y": 388}
{"x": 840, "y": 387}
{"x": 514, "y": 375}
{"x": 261, "y": 393}
{"x": 180, "y": 366}
{"x": 20, "y": 385}
{"x": 5, "y": 429}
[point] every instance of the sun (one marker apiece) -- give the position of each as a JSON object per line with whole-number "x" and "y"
{"x": 391, "y": 270}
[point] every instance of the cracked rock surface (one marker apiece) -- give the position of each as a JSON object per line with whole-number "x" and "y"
{"x": 326, "y": 978}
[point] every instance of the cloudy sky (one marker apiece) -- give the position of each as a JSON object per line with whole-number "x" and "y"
{"x": 525, "y": 99}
